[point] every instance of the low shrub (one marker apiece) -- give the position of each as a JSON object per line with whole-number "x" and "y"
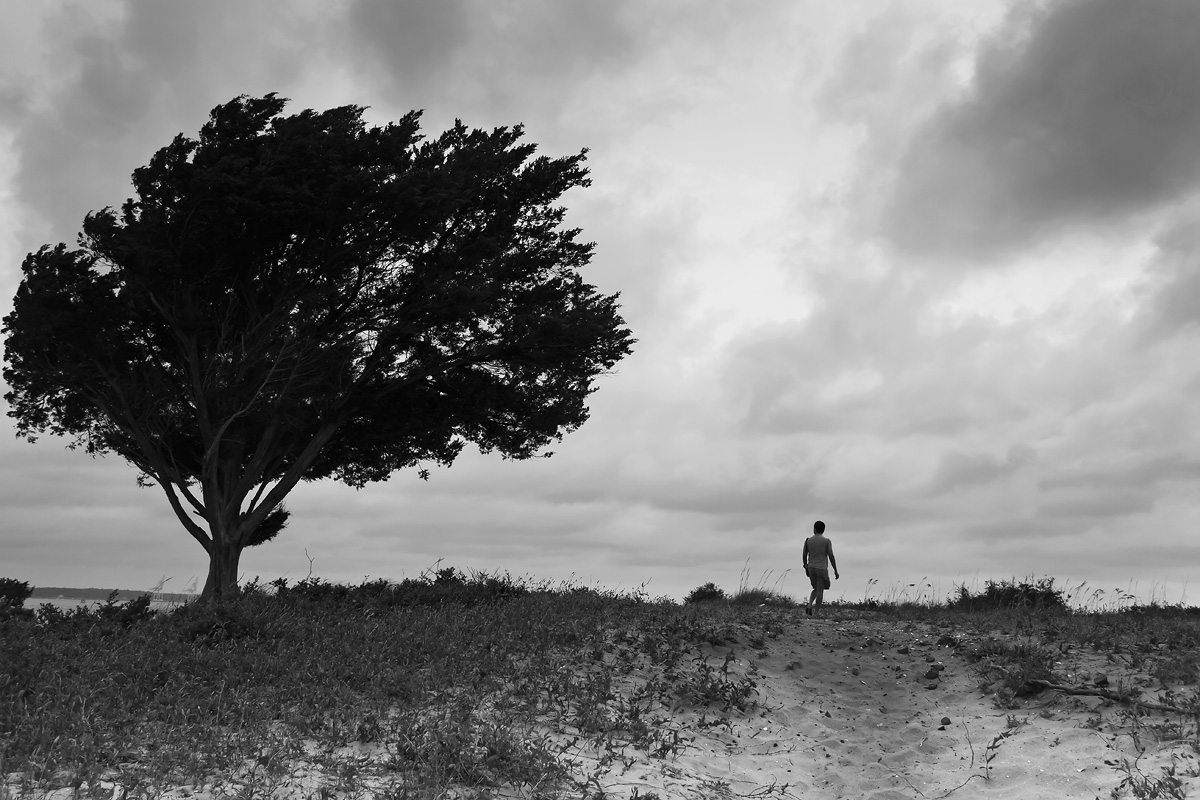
{"x": 13, "y": 594}
{"x": 431, "y": 589}
{"x": 1036, "y": 595}
{"x": 706, "y": 593}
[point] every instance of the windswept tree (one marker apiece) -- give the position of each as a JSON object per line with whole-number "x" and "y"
{"x": 301, "y": 297}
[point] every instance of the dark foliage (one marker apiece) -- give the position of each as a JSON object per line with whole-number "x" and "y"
{"x": 13, "y": 594}
{"x": 707, "y": 592}
{"x": 445, "y": 586}
{"x": 1039, "y": 594}
{"x": 106, "y": 619}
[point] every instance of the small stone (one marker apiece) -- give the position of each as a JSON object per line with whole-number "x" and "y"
{"x": 945, "y": 720}
{"x": 854, "y": 670}
{"x": 929, "y": 659}
{"x": 946, "y": 640}
{"x": 1100, "y": 679}
{"x": 903, "y": 650}
{"x": 932, "y": 673}
{"x": 931, "y": 685}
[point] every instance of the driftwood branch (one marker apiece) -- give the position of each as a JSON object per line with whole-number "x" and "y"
{"x": 1111, "y": 695}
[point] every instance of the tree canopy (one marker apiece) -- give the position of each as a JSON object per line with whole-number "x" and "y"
{"x": 301, "y": 297}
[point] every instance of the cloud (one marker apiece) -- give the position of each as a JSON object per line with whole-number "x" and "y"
{"x": 498, "y": 48}
{"x": 416, "y": 41}
{"x": 119, "y": 81}
{"x": 1170, "y": 295}
{"x": 74, "y": 520}
{"x": 874, "y": 356}
{"x": 959, "y": 469}
{"x": 1037, "y": 416}
{"x": 490, "y": 58}
{"x": 1082, "y": 114}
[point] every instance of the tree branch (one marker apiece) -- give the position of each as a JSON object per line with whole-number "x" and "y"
{"x": 195, "y": 530}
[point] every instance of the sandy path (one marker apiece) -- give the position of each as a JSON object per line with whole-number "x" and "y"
{"x": 848, "y": 708}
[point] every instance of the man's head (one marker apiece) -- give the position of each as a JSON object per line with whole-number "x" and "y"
{"x": 818, "y": 527}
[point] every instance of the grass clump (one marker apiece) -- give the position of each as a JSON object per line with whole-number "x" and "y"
{"x": 764, "y": 593}
{"x": 1012, "y": 669}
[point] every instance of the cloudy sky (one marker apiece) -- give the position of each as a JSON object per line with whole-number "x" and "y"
{"x": 927, "y": 271}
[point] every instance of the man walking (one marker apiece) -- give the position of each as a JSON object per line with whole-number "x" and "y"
{"x": 818, "y": 558}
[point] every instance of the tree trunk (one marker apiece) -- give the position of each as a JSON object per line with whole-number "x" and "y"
{"x": 222, "y": 583}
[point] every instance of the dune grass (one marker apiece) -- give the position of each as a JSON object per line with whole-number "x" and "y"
{"x": 397, "y": 690}
{"x": 1016, "y": 632}
{"x": 454, "y": 684}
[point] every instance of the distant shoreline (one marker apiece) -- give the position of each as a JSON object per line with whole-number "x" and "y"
{"x": 91, "y": 593}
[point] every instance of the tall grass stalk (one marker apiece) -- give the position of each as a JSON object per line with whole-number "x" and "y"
{"x": 767, "y": 591}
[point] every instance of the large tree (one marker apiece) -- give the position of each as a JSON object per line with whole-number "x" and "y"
{"x": 299, "y": 297}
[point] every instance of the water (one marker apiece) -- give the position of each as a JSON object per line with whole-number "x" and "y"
{"x": 71, "y": 603}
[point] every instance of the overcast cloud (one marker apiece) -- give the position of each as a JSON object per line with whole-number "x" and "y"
{"x": 929, "y": 272}
{"x": 1079, "y": 113}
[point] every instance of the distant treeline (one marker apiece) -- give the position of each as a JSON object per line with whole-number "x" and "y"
{"x": 123, "y": 595}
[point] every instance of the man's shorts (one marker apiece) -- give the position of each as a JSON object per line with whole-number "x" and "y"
{"x": 819, "y": 578}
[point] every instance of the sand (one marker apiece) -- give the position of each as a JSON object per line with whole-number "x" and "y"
{"x": 846, "y": 710}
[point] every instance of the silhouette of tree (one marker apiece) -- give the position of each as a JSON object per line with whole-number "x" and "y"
{"x": 300, "y": 297}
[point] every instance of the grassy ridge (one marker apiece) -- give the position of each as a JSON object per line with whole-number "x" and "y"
{"x": 472, "y": 681}
{"x": 1022, "y": 628}
{"x": 464, "y": 681}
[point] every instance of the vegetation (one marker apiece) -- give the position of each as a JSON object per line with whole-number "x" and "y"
{"x": 468, "y": 681}
{"x": 302, "y": 297}
{"x": 1039, "y": 595}
{"x": 454, "y": 684}
{"x": 13, "y": 594}
{"x": 1016, "y": 633}
{"x": 764, "y": 593}
{"x": 706, "y": 593}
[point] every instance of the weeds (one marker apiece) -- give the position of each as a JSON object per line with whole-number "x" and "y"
{"x": 990, "y": 752}
{"x": 455, "y": 684}
{"x": 453, "y": 680}
{"x": 1011, "y": 668}
{"x": 1147, "y": 787}
{"x": 764, "y": 593}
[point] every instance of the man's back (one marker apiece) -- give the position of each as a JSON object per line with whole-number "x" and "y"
{"x": 819, "y": 548}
